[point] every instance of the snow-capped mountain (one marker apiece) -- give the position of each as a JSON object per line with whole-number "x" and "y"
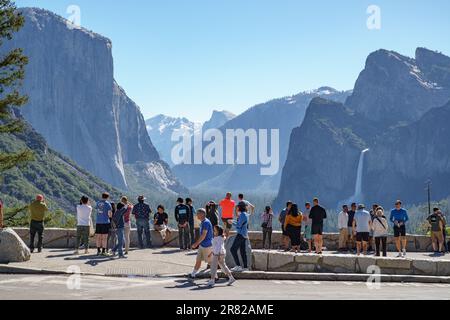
{"x": 161, "y": 127}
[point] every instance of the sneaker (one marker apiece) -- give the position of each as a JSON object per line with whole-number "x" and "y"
{"x": 237, "y": 269}
{"x": 231, "y": 281}
{"x": 400, "y": 255}
{"x": 193, "y": 274}
{"x": 404, "y": 253}
{"x": 122, "y": 257}
{"x": 211, "y": 283}
{"x": 245, "y": 269}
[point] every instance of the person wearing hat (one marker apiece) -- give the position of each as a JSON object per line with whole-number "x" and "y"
{"x": 362, "y": 224}
{"x": 142, "y": 212}
{"x": 38, "y": 208}
{"x": 182, "y": 218}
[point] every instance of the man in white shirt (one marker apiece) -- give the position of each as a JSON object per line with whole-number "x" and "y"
{"x": 343, "y": 228}
{"x": 84, "y": 221}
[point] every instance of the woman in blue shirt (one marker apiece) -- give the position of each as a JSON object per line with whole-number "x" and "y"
{"x": 240, "y": 241}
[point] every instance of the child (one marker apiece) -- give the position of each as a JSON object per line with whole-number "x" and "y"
{"x": 218, "y": 257}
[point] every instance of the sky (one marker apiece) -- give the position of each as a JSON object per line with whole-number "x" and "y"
{"x": 190, "y": 57}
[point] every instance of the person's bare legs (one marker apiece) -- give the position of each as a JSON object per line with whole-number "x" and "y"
{"x": 398, "y": 244}
{"x": 364, "y": 245}
{"x": 358, "y": 248}
{"x": 404, "y": 243}
{"x": 309, "y": 246}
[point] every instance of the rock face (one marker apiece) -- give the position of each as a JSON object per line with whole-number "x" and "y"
{"x": 12, "y": 248}
{"x": 393, "y": 88}
{"x": 75, "y": 102}
{"x": 396, "y": 111}
{"x": 218, "y": 119}
{"x": 282, "y": 114}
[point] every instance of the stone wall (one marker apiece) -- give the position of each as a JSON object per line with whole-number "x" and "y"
{"x": 289, "y": 262}
{"x": 65, "y": 238}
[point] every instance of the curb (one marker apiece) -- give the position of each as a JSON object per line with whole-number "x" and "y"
{"x": 251, "y": 275}
{"x": 331, "y": 277}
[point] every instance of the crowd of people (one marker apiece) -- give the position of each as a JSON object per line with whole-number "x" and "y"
{"x": 206, "y": 229}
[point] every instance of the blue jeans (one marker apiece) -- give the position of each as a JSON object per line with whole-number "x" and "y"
{"x": 120, "y": 241}
{"x": 143, "y": 227}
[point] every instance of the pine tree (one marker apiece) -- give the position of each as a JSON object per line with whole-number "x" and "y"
{"x": 12, "y": 73}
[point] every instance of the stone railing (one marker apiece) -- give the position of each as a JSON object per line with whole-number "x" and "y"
{"x": 65, "y": 238}
{"x": 274, "y": 261}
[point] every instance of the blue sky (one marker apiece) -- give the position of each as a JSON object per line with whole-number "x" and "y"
{"x": 188, "y": 57}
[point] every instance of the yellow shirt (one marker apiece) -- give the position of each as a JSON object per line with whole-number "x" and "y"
{"x": 293, "y": 221}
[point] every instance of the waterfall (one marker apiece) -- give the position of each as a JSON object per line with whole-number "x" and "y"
{"x": 359, "y": 176}
{"x": 358, "y": 196}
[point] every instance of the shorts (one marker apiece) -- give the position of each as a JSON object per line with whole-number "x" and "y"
{"x": 203, "y": 254}
{"x": 362, "y": 237}
{"x": 437, "y": 236}
{"x": 308, "y": 234}
{"x": 400, "y": 231}
{"x": 226, "y": 223}
{"x": 317, "y": 229}
{"x": 102, "y": 228}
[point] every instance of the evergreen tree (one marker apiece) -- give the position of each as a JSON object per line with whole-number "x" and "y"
{"x": 12, "y": 72}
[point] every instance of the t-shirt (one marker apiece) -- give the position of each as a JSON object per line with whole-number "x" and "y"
{"x": 436, "y": 222}
{"x": 142, "y": 211}
{"x": 182, "y": 213}
{"x": 307, "y": 222}
{"x": 206, "y": 225}
{"x": 84, "y": 215}
{"x": 318, "y": 214}
{"x": 351, "y": 215}
{"x": 38, "y": 209}
{"x": 242, "y": 224}
{"x": 160, "y": 218}
{"x": 282, "y": 217}
{"x": 218, "y": 244}
{"x": 362, "y": 219}
{"x": 227, "y": 206}
{"x": 103, "y": 207}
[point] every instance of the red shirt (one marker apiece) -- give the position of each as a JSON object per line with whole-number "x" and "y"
{"x": 227, "y": 206}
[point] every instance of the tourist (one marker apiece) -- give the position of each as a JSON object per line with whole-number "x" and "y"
{"x": 191, "y": 219}
{"x": 38, "y": 208}
{"x": 380, "y": 228}
{"x": 343, "y": 228}
{"x": 267, "y": 227}
{"x": 399, "y": 217}
{"x": 204, "y": 243}
{"x": 1, "y": 215}
{"x": 112, "y": 234}
{"x": 293, "y": 227}
{"x": 119, "y": 221}
{"x": 250, "y": 206}
{"x": 373, "y": 214}
{"x": 103, "y": 224}
{"x": 362, "y": 224}
{"x": 181, "y": 217}
{"x": 351, "y": 237}
{"x": 217, "y": 257}
{"x": 197, "y": 223}
{"x": 84, "y": 223}
{"x": 437, "y": 224}
{"x": 282, "y": 220}
{"x": 227, "y": 206}
{"x": 161, "y": 223}
{"x": 141, "y": 212}
{"x": 127, "y": 219}
{"x": 240, "y": 242}
{"x": 307, "y": 224}
{"x": 212, "y": 213}
{"x": 317, "y": 215}
{"x": 444, "y": 233}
